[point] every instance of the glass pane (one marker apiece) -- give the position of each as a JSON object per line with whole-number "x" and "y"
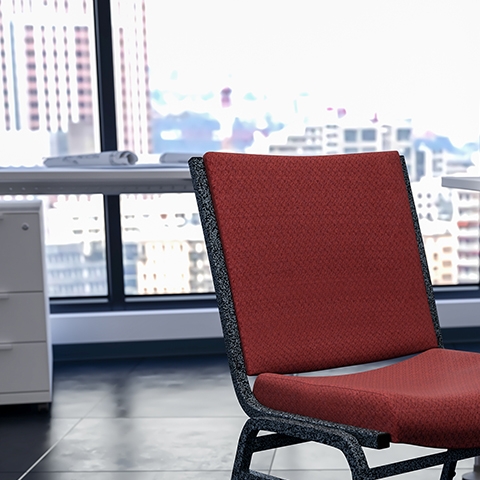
{"x": 359, "y": 76}
{"x": 49, "y": 89}
{"x": 164, "y": 251}
{"x": 74, "y": 244}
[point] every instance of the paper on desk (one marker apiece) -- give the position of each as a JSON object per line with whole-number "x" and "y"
{"x": 177, "y": 159}
{"x": 115, "y": 158}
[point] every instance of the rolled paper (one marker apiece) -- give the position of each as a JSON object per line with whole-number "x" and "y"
{"x": 114, "y": 157}
{"x": 174, "y": 158}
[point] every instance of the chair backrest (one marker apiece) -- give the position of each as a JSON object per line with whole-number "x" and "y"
{"x": 324, "y": 259}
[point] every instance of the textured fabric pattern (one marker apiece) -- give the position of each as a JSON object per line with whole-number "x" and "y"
{"x": 431, "y": 399}
{"x": 322, "y": 259}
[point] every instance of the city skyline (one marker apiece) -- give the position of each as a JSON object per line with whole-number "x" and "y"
{"x": 401, "y": 59}
{"x": 287, "y": 75}
{"x": 291, "y": 82}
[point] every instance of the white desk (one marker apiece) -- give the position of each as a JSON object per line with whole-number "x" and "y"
{"x": 466, "y": 183}
{"x": 109, "y": 181}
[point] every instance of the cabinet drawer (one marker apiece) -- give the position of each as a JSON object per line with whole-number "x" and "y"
{"x": 23, "y": 317}
{"x": 24, "y": 367}
{"x": 21, "y": 252}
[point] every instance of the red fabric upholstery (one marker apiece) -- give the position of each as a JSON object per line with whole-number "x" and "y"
{"x": 322, "y": 259}
{"x": 431, "y": 399}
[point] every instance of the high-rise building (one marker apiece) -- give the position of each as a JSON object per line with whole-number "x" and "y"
{"x": 341, "y": 135}
{"x": 132, "y": 93}
{"x": 48, "y": 79}
{"x": 465, "y": 228}
{"x": 46, "y": 50}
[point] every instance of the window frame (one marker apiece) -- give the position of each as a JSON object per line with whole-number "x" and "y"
{"x": 116, "y": 298}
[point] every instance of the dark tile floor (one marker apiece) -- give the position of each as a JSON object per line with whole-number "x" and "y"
{"x": 151, "y": 419}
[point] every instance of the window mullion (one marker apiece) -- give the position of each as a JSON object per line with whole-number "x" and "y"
{"x": 114, "y": 250}
{"x": 105, "y": 75}
{"x": 108, "y": 141}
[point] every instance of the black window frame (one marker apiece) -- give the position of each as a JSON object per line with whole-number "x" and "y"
{"x": 116, "y": 299}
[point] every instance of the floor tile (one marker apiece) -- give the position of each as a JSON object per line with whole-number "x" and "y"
{"x": 79, "y": 386}
{"x": 146, "y": 398}
{"x": 309, "y": 456}
{"x": 149, "y": 444}
{"x": 312, "y": 456}
{"x": 203, "y": 475}
{"x": 10, "y": 475}
{"x": 396, "y": 453}
{"x": 185, "y": 387}
{"x": 428, "y": 474}
{"x": 25, "y": 438}
{"x": 399, "y": 452}
{"x": 312, "y": 474}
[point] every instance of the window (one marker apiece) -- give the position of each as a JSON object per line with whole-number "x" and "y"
{"x": 47, "y": 125}
{"x": 350, "y": 135}
{"x": 163, "y": 248}
{"x": 75, "y": 245}
{"x": 165, "y": 92}
{"x": 369, "y": 135}
{"x": 278, "y": 110}
{"x": 403, "y": 134}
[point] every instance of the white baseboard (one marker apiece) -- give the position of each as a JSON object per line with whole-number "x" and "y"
{"x": 131, "y": 326}
{"x": 459, "y": 313}
{"x": 145, "y": 325}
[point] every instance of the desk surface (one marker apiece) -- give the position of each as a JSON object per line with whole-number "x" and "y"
{"x": 113, "y": 181}
{"x": 109, "y": 181}
{"x": 467, "y": 183}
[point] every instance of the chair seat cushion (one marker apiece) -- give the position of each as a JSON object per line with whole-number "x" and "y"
{"x": 431, "y": 399}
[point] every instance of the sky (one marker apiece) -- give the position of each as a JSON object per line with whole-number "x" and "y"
{"x": 402, "y": 59}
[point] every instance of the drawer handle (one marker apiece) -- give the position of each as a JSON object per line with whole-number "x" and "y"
{"x": 4, "y": 296}
{"x": 5, "y": 346}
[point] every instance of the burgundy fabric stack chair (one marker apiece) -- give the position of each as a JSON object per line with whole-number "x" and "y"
{"x": 318, "y": 262}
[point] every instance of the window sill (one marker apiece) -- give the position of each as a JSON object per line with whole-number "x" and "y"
{"x": 194, "y": 323}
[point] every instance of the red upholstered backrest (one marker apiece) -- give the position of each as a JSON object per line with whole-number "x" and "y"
{"x": 322, "y": 259}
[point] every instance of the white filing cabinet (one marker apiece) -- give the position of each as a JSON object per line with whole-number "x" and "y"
{"x": 25, "y": 346}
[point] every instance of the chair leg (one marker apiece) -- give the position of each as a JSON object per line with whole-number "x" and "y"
{"x": 245, "y": 451}
{"x": 247, "y": 447}
{"x": 448, "y": 471}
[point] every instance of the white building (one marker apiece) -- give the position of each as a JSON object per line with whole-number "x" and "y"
{"x": 465, "y": 228}
{"x": 347, "y": 135}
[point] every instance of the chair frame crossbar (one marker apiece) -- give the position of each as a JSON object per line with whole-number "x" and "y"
{"x": 288, "y": 428}
{"x": 293, "y": 433}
